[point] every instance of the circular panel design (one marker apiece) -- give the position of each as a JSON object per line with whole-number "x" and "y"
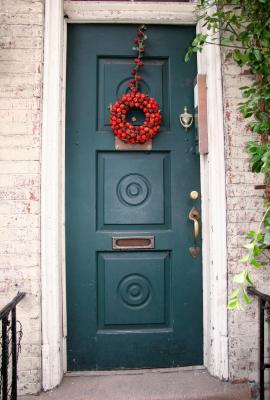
{"x": 134, "y": 290}
{"x": 133, "y": 189}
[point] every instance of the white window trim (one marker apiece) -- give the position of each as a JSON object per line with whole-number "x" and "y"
{"x": 52, "y": 179}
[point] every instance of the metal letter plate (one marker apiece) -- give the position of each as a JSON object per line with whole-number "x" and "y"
{"x": 133, "y": 243}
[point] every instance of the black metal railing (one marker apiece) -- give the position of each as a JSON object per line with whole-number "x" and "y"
{"x": 264, "y": 303}
{"x": 11, "y": 336}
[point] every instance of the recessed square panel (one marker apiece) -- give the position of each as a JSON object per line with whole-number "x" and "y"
{"x": 114, "y": 76}
{"x": 132, "y": 189}
{"x": 134, "y": 288}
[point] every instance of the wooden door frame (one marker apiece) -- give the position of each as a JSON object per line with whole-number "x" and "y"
{"x": 57, "y": 15}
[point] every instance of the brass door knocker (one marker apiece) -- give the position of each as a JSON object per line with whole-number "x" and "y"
{"x": 186, "y": 119}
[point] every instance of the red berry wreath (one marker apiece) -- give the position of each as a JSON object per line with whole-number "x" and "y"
{"x": 131, "y": 133}
{"x": 134, "y": 99}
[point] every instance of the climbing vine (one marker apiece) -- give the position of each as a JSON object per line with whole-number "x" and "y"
{"x": 242, "y": 28}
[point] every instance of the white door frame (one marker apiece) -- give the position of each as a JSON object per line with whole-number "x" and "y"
{"x": 52, "y": 179}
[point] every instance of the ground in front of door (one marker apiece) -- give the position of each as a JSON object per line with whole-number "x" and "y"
{"x": 165, "y": 384}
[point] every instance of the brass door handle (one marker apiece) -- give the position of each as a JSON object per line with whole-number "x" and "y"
{"x": 194, "y": 216}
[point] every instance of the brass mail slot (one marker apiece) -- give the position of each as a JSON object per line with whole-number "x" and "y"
{"x": 133, "y": 243}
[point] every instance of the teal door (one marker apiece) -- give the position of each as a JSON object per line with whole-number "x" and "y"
{"x": 135, "y": 307}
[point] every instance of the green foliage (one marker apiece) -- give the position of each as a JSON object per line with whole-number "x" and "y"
{"x": 242, "y": 27}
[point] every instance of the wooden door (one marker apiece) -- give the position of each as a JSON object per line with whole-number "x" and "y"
{"x": 136, "y": 308}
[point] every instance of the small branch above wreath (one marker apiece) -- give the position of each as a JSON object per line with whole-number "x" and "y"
{"x": 135, "y": 100}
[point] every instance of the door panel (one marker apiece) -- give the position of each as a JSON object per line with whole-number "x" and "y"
{"x": 133, "y": 289}
{"x": 130, "y": 308}
{"x": 131, "y": 190}
{"x": 114, "y": 76}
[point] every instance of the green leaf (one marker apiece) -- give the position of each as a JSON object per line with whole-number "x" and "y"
{"x": 187, "y": 57}
{"x": 256, "y": 251}
{"x": 234, "y": 293}
{"x": 245, "y": 258}
{"x": 248, "y": 279}
{"x": 251, "y": 234}
{"x": 245, "y": 296}
{"x": 257, "y": 54}
{"x": 249, "y": 245}
{"x": 255, "y": 263}
{"x": 233, "y": 304}
{"x": 240, "y": 278}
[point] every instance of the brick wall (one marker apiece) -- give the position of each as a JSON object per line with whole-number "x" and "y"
{"x": 21, "y": 40}
{"x": 244, "y": 210}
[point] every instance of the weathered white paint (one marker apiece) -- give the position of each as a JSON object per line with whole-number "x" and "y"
{"x": 51, "y": 192}
{"x": 212, "y": 178}
{"x": 130, "y": 12}
{"x": 63, "y": 236}
{"x": 214, "y": 220}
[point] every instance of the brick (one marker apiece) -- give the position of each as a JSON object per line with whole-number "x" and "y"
{"x": 28, "y": 260}
{"x": 243, "y": 215}
{"x": 19, "y": 180}
{"x": 19, "y": 167}
{"x": 18, "y": 79}
{"x": 244, "y": 177}
{"x": 20, "y": 221}
{"x": 19, "y": 247}
{"x": 20, "y": 54}
{"x": 25, "y": 6}
{"x": 21, "y": 207}
{"x": 231, "y": 86}
{"x": 26, "y": 199}
{"x": 20, "y": 18}
{"x": 246, "y": 203}
{"x": 241, "y": 190}
{"x": 19, "y": 104}
{"x": 20, "y": 43}
{"x": 20, "y": 30}
{"x": 18, "y": 67}
{"x": 19, "y": 233}
{"x": 22, "y": 91}
{"x": 28, "y": 363}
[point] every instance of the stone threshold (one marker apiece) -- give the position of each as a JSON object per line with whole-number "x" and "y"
{"x": 161, "y": 384}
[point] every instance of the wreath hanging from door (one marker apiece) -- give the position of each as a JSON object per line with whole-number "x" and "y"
{"x": 133, "y": 100}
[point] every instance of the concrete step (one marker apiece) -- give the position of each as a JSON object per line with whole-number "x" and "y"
{"x": 167, "y": 384}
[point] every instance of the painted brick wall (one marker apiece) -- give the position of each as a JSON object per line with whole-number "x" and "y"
{"x": 244, "y": 210}
{"x": 21, "y": 41}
